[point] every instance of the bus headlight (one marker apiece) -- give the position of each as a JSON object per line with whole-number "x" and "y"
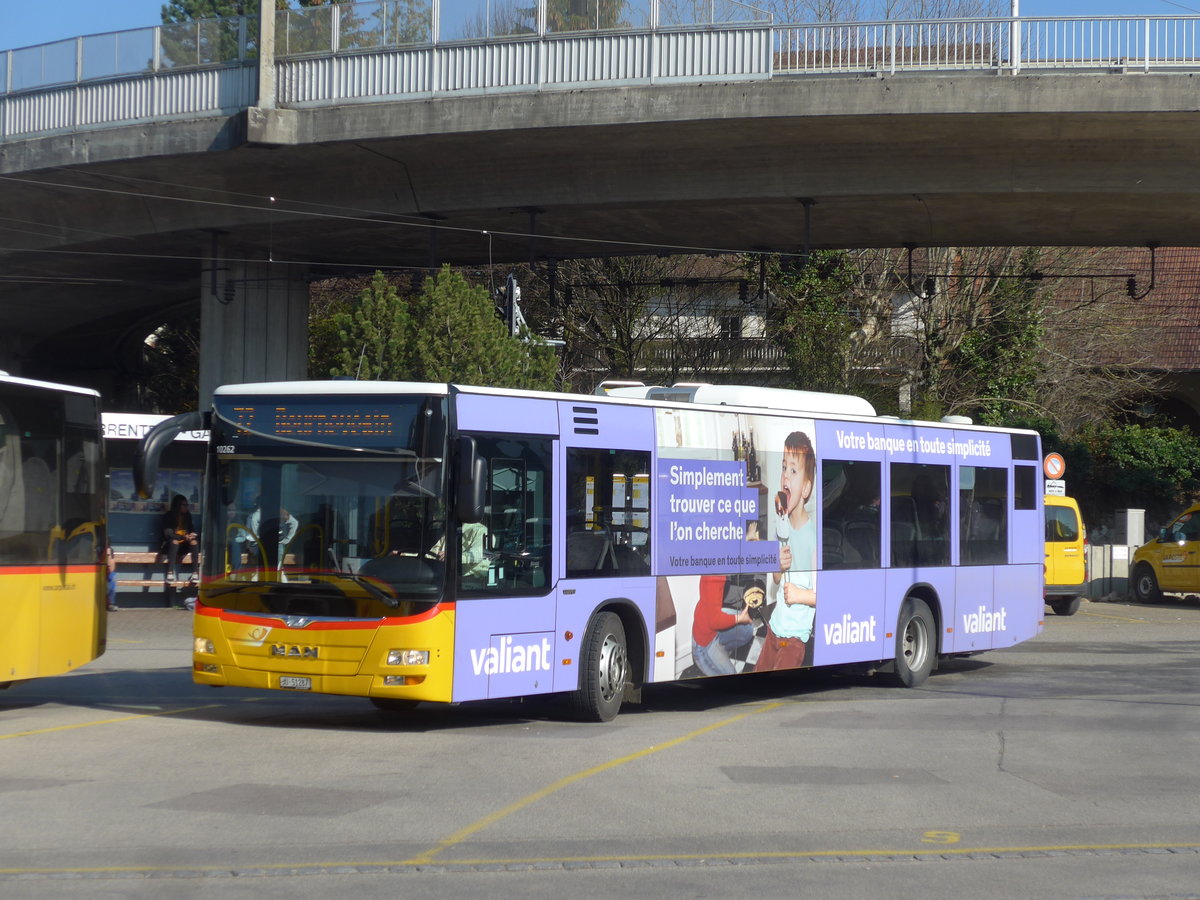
{"x": 203, "y": 645}
{"x": 408, "y": 658}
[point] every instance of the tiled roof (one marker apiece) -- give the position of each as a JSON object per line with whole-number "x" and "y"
{"x": 1168, "y": 313}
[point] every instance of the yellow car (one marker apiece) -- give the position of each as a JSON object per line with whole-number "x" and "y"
{"x": 1066, "y": 555}
{"x": 1170, "y": 562}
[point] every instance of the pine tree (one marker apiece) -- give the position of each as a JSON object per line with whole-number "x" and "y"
{"x": 458, "y": 337}
{"x": 374, "y": 336}
{"x": 449, "y": 332}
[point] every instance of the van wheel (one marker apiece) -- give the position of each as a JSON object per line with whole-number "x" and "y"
{"x": 915, "y": 647}
{"x": 603, "y": 671}
{"x": 1145, "y": 585}
{"x": 1065, "y": 607}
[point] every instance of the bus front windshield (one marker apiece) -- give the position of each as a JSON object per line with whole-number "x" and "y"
{"x": 331, "y": 534}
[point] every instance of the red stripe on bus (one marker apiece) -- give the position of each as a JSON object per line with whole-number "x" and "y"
{"x": 51, "y": 569}
{"x": 340, "y": 625}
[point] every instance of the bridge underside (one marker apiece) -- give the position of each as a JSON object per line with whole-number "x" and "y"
{"x": 103, "y": 233}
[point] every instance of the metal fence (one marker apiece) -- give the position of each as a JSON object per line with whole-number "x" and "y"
{"x": 398, "y": 49}
{"x": 1141, "y": 43}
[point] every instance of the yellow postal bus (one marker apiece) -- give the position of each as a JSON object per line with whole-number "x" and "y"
{"x": 52, "y": 539}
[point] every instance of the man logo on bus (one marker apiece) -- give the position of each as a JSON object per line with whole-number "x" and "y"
{"x": 294, "y": 651}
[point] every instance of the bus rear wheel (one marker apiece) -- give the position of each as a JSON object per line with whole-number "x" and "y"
{"x": 603, "y": 671}
{"x": 915, "y": 647}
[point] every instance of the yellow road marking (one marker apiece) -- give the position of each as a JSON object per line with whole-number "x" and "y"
{"x": 780, "y": 855}
{"x": 165, "y": 712}
{"x": 800, "y": 854}
{"x": 1115, "y": 618}
{"x": 463, "y": 833}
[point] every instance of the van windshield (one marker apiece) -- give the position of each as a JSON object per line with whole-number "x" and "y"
{"x": 1062, "y": 525}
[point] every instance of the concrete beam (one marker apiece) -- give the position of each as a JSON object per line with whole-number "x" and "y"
{"x": 1057, "y": 160}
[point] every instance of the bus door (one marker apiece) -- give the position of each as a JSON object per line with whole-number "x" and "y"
{"x": 982, "y": 512}
{"x": 504, "y": 568}
{"x": 604, "y": 522}
{"x": 1020, "y": 583}
{"x": 920, "y": 540}
{"x": 850, "y": 620}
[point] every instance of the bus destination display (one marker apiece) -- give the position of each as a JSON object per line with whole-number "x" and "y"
{"x": 343, "y": 425}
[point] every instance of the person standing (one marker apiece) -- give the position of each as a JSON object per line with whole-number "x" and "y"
{"x": 111, "y": 562}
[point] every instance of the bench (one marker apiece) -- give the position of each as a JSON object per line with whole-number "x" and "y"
{"x": 144, "y": 559}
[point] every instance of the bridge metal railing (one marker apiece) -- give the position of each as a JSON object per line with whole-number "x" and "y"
{"x": 1108, "y": 43}
{"x": 398, "y": 49}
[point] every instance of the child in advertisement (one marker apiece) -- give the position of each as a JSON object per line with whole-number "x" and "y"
{"x": 791, "y": 623}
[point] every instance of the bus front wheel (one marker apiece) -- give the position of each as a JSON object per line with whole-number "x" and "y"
{"x": 915, "y": 647}
{"x": 603, "y": 671}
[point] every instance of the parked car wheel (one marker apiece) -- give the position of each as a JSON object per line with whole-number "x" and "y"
{"x": 1065, "y": 606}
{"x": 1145, "y": 585}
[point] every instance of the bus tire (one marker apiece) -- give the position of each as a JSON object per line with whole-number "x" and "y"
{"x": 916, "y": 649}
{"x": 1065, "y": 606}
{"x": 1145, "y": 585}
{"x": 394, "y": 704}
{"x": 603, "y": 671}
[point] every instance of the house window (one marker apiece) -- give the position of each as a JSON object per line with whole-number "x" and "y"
{"x": 730, "y": 327}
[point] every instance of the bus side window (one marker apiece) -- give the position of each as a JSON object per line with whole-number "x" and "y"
{"x": 1025, "y": 493}
{"x": 983, "y": 515}
{"x": 608, "y": 513}
{"x": 850, "y": 514}
{"x": 508, "y": 553}
{"x": 920, "y": 515}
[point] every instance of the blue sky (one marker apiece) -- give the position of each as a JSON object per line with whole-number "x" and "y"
{"x": 27, "y": 22}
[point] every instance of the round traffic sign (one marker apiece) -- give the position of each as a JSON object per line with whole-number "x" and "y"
{"x": 1054, "y": 465}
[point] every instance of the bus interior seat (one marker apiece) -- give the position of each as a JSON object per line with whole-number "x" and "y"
{"x": 904, "y": 543}
{"x": 589, "y": 551}
{"x": 629, "y": 561}
{"x": 864, "y": 538}
{"x": 831, "y": 546}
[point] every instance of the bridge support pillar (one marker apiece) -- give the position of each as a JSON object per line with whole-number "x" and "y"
{"x": 253, "y": 324}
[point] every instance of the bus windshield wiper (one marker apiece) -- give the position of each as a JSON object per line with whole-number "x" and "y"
{"x": 373, "y": 589}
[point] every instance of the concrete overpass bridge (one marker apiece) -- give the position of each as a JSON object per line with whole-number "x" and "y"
{"x": 227, "y": 166}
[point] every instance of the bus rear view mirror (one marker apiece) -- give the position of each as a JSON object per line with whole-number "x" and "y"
{"x": 157, "y": 439}
{"x": 471, "y": 482}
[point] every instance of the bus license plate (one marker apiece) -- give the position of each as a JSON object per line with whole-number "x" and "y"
{"x": 295, "y": 682}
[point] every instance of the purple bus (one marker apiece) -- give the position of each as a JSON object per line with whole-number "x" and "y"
{"x": 416, "y": 543}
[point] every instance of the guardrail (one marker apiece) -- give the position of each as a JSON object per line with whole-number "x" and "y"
{"x": 353, "y": 52}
